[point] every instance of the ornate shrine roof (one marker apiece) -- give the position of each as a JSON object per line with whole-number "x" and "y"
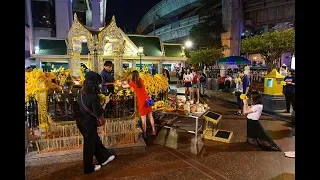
{"x": 173, "y": 50}
{"x": 57, "y": 47}
{"x": 151, "y": 45}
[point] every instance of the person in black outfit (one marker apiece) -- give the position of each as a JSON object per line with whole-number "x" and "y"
{"x": 203, "y": 84}
{"x": 88, "y": 99}
{"x": 107, "y": 78}
{"x": 289, "y": 91}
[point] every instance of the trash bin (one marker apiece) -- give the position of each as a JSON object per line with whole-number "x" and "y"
{"x": 215, "y": 85}
{"x": 209, "y": 83}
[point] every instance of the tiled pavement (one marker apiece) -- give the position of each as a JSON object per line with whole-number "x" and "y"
{"x": 216, "y": 160}
{"x": 230, "y": 97}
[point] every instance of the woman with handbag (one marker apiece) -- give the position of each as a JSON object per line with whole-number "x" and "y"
{"x": 144, "y": 101}
{"x": 90, "y": 117}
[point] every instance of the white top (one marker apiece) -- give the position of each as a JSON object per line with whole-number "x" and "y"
{"x": 187, "y": 77}
{"x": 256, "y": 112}
{"x": 283, "y": 73}
{"x": 239, "y": 86}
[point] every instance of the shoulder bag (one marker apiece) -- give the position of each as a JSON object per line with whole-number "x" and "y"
{"x": 100, "y": 121}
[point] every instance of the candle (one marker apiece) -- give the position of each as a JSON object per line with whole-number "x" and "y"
{"x": 54, "y": 92}
{"x": 74, "y": 99}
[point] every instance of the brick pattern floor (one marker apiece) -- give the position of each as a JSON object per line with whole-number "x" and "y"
{"x": 236, "y": 160}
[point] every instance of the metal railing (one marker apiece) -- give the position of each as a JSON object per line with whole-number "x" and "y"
{"x": 159, "y": 6}
{"x": 179, "y": 24}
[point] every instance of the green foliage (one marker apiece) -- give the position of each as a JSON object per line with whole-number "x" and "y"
{"x": 271, "y": 45}
{"x": 205, "y": 56}
{"x": 208, "y": 32}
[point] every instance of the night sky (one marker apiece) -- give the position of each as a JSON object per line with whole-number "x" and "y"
{"x": 128, "y": 13}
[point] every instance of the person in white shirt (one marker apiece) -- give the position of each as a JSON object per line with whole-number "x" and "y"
{"x": 255, "y": 133}
{"x": 187, "y": 79}
{"x": 283, "y": 70}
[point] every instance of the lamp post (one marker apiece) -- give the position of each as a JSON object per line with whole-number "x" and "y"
{"x": 187, "y": 47}
{"x": 140, "y": 52}
{"x": 188, "y": 44}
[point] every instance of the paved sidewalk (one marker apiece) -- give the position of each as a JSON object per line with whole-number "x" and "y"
{"x": 230, "y": 97}
{"x": 236, "y": 160}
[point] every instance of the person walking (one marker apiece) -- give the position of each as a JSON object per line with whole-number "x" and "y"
{"x": 91, "y": 115}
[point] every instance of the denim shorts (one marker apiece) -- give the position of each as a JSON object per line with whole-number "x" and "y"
{"x": 196, "y": 86}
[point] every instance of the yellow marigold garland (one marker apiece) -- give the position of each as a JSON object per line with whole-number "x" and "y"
{"x": 33, "y": 80}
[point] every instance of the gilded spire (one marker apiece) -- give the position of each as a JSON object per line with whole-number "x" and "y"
{"x": 113, "y": 19}
{"x": 75, "y": 17}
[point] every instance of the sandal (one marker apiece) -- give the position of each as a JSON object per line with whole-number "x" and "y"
{"x": 237, "y": 113}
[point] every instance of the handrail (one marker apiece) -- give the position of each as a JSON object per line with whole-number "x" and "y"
{"x": 160, "y": 5}
{"x": 185, "y": 22}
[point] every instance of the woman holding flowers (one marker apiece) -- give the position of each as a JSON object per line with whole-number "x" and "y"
{"x": 142, "y": 96}
{"x": 255, "y": 133}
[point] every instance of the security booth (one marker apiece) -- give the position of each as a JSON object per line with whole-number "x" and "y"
{"x": 272, "y": 83}
{"x": 273, "y": 98}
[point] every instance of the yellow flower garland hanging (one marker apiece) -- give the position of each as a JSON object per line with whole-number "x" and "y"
{"x": 32, "y": 83}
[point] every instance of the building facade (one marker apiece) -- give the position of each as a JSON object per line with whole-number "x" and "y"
{"x": 172, "y": 20}
{"x": 53, "y": 18}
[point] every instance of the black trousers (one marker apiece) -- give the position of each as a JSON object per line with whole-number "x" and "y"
{"x": 92, "y": 146}
{"x": 258, "y": 136}
{"x": 239, "y": 101}
{"x": 290, "y": 99}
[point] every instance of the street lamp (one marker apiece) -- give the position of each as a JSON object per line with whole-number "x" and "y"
{"x": 140, "y": 52}
{"x": 188, "y": 44}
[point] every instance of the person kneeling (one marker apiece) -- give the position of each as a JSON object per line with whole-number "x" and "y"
{"x": 255, "y": 133}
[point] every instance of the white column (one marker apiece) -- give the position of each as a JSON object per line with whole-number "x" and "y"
{"x": 134, "y": 63}
{"x": 30, "y": 23}
{"x": 160, "y": 67}
{"x": 38, "y": 63}
{"x": 62, "y": 18}
{"x": 96, "y": 14}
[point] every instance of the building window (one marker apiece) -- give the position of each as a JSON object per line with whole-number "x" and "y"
{"x": 43, "y": 14}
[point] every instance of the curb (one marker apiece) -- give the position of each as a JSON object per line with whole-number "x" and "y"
{"x": 283, "y": 118}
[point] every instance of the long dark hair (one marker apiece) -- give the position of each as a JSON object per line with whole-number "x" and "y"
{"x": 256, "y": 97}
{"x": 91, "y": 83}
{"x": 136, "y": 78}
